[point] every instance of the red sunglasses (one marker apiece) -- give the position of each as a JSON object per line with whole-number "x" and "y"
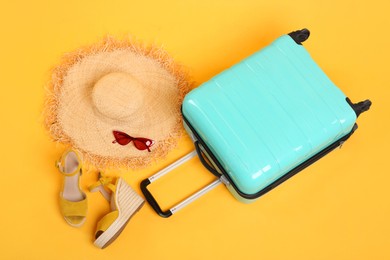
{"x": 139, "y": 142}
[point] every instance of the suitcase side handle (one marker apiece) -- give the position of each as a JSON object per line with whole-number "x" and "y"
{"x": 153, "y": 202}
{"x": 202, "y": 159}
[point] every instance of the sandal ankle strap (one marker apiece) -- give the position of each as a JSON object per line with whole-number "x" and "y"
{"x": 60, "y": 164}
{"x": 101, "y": 184}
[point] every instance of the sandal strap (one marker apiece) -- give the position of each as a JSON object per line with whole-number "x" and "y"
{"x": 60, "y": 164}
{"x": 103, "y": 182}
{"x": 73, "y": 208}
{"x": 106, "y": 221}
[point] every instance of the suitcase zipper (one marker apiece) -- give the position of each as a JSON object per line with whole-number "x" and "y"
{"x": 282, "y": 179}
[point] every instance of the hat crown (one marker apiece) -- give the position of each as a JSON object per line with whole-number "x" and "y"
{"x": 118, "y": 95}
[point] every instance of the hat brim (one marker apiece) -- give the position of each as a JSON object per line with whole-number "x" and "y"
{"x": 114, "y": 156}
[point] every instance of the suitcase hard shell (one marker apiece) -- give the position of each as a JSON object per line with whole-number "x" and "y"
{"x": 268, "y": 117}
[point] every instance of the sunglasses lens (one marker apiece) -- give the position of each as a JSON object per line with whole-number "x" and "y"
{"x": 121, "y": 138}
{"x": 143, "y": 143}
{"x": 140, "y": 143}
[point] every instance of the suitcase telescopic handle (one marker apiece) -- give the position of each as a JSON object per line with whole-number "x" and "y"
{"x": 153, "y": 202}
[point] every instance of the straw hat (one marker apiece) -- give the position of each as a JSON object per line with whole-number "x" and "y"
{"x": 116, "y": 85}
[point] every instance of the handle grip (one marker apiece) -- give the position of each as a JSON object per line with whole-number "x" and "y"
{"x": 153, "y": 202}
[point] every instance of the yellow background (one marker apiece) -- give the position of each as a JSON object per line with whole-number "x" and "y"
{"x": 338, "y": 208}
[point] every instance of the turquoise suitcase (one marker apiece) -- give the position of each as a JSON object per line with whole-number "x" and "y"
{"x": 263, "y": 120}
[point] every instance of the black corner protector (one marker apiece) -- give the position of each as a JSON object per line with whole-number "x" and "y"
{"x": 300, "y": 35}
{"x": 360, "y": 107}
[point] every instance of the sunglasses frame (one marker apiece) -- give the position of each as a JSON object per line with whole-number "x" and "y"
{"x": 140, "y": 143}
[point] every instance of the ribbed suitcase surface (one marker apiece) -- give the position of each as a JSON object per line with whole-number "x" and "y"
{"x": 267, "y": 114}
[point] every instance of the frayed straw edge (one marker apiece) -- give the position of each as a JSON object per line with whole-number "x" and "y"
{"x": 109, "y": 44}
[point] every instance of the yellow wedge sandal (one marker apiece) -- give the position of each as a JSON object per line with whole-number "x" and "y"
{"x": 124, "y": 201}
{"x": 73, "y": 201}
